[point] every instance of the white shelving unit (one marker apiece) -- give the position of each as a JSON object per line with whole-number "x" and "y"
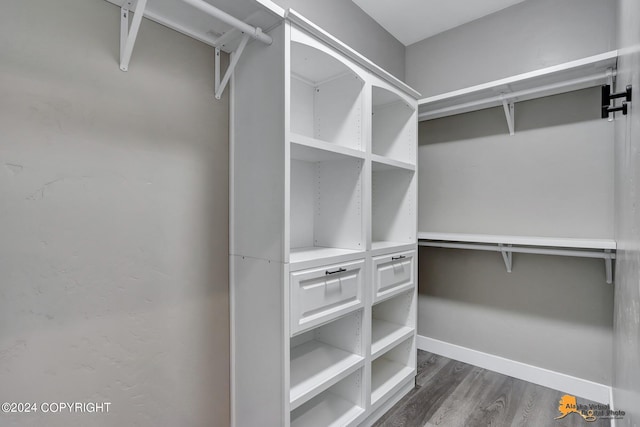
{"x": 507, "y": 245}
{"x": 323, "y": 228}
{"x": 574, "y": 75}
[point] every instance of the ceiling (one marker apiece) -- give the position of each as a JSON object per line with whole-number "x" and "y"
{"x": 413, "y": 20}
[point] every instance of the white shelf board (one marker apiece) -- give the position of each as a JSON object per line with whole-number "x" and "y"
{"x": 314, "y": 150}
{"x": 315, "y": 366}
{"x": 386, "y": 335}
{"x": 379, "y": 245}
{"x": 326, "y": 410}
{"x": 312, "y": 253}
{"x": 381, "y": 163}
{"x": 566, "y": 77}
{"x": 385, "y": 376}
{"x": 189, "y": 21}
{"x": 558, "y": 242}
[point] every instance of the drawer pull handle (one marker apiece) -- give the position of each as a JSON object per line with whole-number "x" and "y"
{"x": 340, "y": 270}
{"x": 393, "y": 258}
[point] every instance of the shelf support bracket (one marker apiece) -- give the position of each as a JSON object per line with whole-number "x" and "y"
{"x": 217, "y": 67}
{"x": 128, "y": 36}
{"x": 610, "y": 82}
{"x": 509, "y": 113}
{"x": 608, "y": 267}
{"x": 507, "y": 256}
{"x": 235, "y": 57}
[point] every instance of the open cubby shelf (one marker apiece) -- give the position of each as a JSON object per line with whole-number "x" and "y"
{"x": 338, "y": 406}
{"x": 326, "y": 204}
{"x": 393, "y": 127}
{"x": 324, "y": 355}
{"x": 314, "y": 364}
{"x": 326, "y": 98}
{"x": 391, "y": 370}
{"x": 393, "y": 206}
{"x": 392, "y": 322}
{"x": 385, "y": 335}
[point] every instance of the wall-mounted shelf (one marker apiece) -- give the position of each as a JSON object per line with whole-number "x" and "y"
{"x": 507, "y": 245}
{"x": 181, "y": 17}
{"x": 574, "y": 75}
{"x": 227, "y": 26}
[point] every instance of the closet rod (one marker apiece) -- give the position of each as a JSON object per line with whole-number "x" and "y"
{"x": 254, "y": 32}
{"x": 507, "y": 250}
{"x": 504, "y": 248}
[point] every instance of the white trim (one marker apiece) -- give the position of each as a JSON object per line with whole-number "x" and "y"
{"x": 612, "y": 406}
{"x": 558, "y": 381}
{"x": 361, "y": 60}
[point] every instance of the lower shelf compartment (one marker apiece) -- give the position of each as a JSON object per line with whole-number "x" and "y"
{"x": 385, "y": 335}
{"x": 392, "y": 369}
{"x": 324, "y": 356}
{"x": 386, "y": 375}
{"x": 336, "y": 407}
{"x": 314, "y": 365}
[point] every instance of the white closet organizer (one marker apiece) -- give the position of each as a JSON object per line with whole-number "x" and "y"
{"x": 579, "y": 74}
{"x": 323, "y": 233}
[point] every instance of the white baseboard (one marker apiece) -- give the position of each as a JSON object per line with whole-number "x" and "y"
{"x": 566, "y": 383}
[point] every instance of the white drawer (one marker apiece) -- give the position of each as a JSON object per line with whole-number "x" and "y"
{"x": 392, "y": 274}
{"x": 322, "y": 294}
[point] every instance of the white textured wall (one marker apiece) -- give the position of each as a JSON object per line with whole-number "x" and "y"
{"x": 527, "y": 36}
{"x": 113, "y": 220}
{"x": 626, "y": 376}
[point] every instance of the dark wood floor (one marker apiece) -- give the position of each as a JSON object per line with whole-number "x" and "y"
{"x": 454, "y": 394}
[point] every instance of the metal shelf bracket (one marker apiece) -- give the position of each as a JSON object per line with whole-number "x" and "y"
{"x": 608, "y": 268}
{"x": 235, "y": 57}
{"x": 509, "y": 113}
{"x": 507, "y": 256}
{"x": 128, "y": 36}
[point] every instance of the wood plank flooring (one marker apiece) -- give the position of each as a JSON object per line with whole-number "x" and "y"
{"x": 449, "y": 393}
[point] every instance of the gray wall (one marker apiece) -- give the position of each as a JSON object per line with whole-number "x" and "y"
{"x": 551, "y": 312}
{"x": 527, "y": 36}
{"x": 626, "y": 380}
{"x": 114, "y": 220}
{"x": 346, "y": 21}
{"x": 554, "y": 177}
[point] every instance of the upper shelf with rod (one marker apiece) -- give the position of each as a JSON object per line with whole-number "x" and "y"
{"x": 583, "y": 73}
{"x": 227, "y": 26}
{"x": 507, "y": 245}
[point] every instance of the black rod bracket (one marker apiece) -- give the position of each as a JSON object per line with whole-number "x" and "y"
{"x": 607, "y": 97}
